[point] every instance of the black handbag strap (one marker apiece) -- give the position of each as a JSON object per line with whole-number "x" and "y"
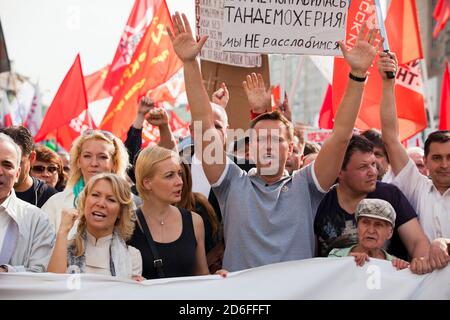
{"x": 157, "y": 262}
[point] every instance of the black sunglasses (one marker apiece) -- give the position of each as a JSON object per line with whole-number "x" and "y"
{"x": 41, "y": 169}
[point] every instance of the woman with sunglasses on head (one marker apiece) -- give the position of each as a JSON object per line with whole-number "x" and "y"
{"x": 92, "y": 153}
{"x": 106, "y": 221}
{"x": 48, "y": 167}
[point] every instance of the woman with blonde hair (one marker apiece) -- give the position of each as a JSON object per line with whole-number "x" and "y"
{"x": 106, "y": 221}
{"x": 171, "y": 239}
{"x": 93, "y": 152}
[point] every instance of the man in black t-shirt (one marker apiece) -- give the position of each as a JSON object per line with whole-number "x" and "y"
{"x": 335, "y": 224}
{"x": 28, "y": 189}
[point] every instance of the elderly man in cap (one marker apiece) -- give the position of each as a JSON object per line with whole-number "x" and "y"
{"x": 375, "y": 220}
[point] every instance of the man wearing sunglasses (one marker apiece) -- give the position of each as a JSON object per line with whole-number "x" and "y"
{"x": 27, "y": 188}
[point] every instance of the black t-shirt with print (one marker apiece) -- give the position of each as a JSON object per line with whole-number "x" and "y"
{"x": 336, "y": 228}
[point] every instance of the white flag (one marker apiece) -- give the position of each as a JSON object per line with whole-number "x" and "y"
{"x": 34, "y": 117}
{"x": 5, "y": 110}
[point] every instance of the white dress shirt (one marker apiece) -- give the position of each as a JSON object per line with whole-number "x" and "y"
{"x": 35, "y": 237}
{"x": 432, "y": 207}
{"x": 4, "y": 220}
{"x": 199, "y": 181}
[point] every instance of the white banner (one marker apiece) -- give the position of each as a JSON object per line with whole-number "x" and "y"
{"x": 208, "y": 21}
{"x": 319, "y": 278}
{"x": 310, "y": 27}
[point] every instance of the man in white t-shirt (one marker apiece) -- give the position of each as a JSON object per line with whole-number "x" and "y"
{"x": 429, "y": 197}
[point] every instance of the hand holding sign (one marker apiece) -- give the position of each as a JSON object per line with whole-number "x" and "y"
{"x": 183, "y": 42}
{"x": 361, "y": 56}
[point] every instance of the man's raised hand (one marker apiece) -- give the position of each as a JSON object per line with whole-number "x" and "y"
{"x": 361, "y": 56}
{"x": 182, "y": 39}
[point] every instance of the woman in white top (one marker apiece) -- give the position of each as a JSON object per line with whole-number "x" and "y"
{"x": 106, "y": 221}
{"x": 93, "y": 152}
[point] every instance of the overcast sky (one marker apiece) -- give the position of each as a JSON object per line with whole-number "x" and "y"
{"x": 44, "y": 36}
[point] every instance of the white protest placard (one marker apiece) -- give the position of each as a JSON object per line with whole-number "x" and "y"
{"x": 310, "y": 27}
{"x": 208, "y": 21}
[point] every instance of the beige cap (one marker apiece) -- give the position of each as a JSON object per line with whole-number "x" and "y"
{"x": 377, "y": 209}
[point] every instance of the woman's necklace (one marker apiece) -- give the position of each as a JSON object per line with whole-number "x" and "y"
{"x": 161, "y": 220}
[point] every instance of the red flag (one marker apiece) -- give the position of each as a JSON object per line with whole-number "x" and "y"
{"x": 441, "y": 14}
{"x": 444, "y": 116}
{"x": 150, "y": 134}
{"x": 409, "y": 98}
{"x": 169, "y": 91}
{"x": 178, "y": 126}
{"x": 68, "y": 103}
{"x": 94, "y": 85}
{"x": 140, "y": 17}
{"x": 403, "y": 31}
{"x": 326, "y": 116}
{"x": 66, "y": 134}
{"x": 275, "y": 97}
{"x": 153, "y": 63}
{"x": 7, "y": 120}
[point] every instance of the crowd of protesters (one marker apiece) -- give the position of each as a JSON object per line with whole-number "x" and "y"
{"x": 199, "y": 207}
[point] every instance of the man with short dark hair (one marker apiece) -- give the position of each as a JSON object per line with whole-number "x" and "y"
{"x": 294, "y": 161}
{"x": 28, "y": 188}
{"x": 380, "y": 153}
{"x": 429, "y": 197}
{"x": 335, "y": 224}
